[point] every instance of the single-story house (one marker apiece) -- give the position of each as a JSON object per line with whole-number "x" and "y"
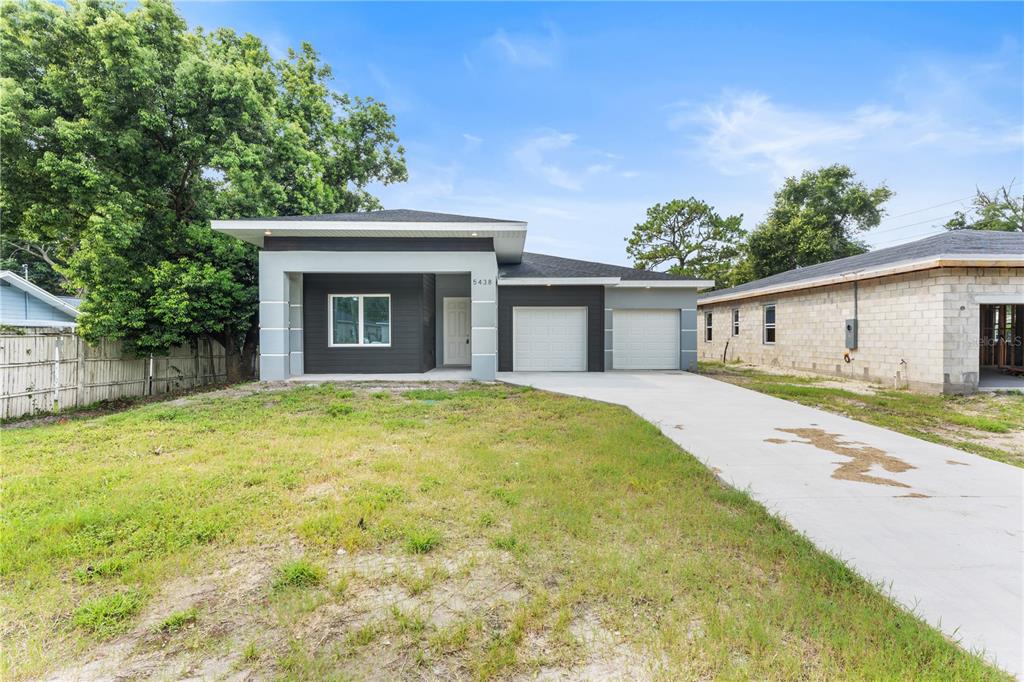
{"x": 23, "y": 304}
{"x": 409, "y": 291}
{"x": 941, "y": 314}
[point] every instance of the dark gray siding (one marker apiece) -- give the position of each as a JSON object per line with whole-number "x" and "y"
{"x": 386, "y": 244}
{"x": 408, "y": 324}
{"x": 591, "y": 297}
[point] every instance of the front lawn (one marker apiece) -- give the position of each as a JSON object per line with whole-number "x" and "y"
{"x": 449, "y": 532}
{"x": 987, "y": 424}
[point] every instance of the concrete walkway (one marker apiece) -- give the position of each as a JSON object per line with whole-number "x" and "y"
{"x": 941, "y": 528}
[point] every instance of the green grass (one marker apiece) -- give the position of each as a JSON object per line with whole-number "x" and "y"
{"x": 298, "y": 573}
{"x": 959, "y": 421}
{"x": 100, "y": 515}
{"x": 178, "y": 620}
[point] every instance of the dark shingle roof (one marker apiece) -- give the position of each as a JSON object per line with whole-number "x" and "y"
{"x": 395, "y": 215}
{"x": 540, "y": 265}
{"x": 952, "y": 243}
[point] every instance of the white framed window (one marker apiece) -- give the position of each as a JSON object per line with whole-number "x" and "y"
{"x": 708, "y": 327}
{"x": 769, "y": 323}
{"x": 357, "y": 320}
{"x": 735, "y": 321}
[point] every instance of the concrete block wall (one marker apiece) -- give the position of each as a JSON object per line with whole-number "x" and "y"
{"x": 900, "y": 336}
{"x": 964, "y": 291}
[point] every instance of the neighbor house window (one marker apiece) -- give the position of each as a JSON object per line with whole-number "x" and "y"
{"x": 735, "y": 321}
{"x": 359, "y": 319}
{"x": 707, "y": 326}
{"x": 769, "y": 323}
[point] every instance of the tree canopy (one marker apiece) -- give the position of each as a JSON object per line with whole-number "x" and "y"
{"x": 1001, "y": 211}
{"x": 688, "y": 237}
{"x": 123, "y": 133}
{"x": 815, "y": 218}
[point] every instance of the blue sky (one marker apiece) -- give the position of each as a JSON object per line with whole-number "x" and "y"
{"x": 577, "y": 117}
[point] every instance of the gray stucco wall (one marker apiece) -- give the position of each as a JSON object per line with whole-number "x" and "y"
{"x": 683, "y": 300}
{"x": 447, "y": 285}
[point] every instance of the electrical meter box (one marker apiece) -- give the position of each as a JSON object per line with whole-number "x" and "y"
{"x": 851, "y": 334}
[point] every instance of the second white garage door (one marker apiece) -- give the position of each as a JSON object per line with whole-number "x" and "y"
{"x": 549, "y": 339}
{"x": 645, "y": 339}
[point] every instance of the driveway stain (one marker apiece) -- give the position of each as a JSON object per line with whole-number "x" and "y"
{"x": 953, "y": 461}
{"x": 916, "y": 496}
{"x": 862, "y": 456}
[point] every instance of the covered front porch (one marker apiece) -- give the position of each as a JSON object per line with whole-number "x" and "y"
{"x": 328, "y": 313}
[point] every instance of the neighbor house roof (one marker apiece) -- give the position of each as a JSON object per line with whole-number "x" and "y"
{"x": 949, "y": 249}
{"x": 394, "y": 215}
{"x": 33, "y": 306}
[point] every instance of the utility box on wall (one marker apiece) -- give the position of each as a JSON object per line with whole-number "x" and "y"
{"x": 851, "y": 334}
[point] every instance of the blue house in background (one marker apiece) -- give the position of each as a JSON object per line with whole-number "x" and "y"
{"x": 23, "y": 304}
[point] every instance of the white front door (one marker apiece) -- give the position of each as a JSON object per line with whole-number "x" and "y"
{"x": 549, "y": 339}
{"x": 456, "y": 331}
{"x": 645, "y": 339}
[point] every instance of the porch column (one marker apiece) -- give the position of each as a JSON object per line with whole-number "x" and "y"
{"x": 274, "y": 316}
{"x": 484, "y": 320}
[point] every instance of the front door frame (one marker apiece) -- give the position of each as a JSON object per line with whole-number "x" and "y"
{"x": 444, "y": 337}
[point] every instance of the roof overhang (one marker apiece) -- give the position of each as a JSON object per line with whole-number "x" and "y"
{"x": 954, "y": 261}
{"x": 42, "y": 294}
{"x": 615, "y": 282}
{"x": 509, "y": 237}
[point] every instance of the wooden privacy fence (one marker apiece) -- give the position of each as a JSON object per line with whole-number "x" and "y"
{"x": 44, "y": 371}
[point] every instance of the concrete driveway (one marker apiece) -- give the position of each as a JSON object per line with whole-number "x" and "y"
{"x": 940, "y": 528}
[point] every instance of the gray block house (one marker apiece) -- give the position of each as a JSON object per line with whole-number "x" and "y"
{"x": 401, "y": 291}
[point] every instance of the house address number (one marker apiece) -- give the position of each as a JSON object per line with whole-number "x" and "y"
{"x": 483, "y": 282}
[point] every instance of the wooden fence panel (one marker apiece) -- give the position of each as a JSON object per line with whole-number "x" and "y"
{"x": 43, "y": 370}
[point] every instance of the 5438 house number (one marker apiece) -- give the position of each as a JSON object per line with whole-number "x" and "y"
{"x": 483, "y": 282}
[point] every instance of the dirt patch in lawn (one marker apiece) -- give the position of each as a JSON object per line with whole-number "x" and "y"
{"x": 862, "y": 456}
{"x": 374, "y": 615}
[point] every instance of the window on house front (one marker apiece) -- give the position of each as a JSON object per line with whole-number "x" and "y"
{"x": 707, "y": 326}
{"x": 359, "y": 319}
{"x": 769, "y": 323}
{"x": 735, "y": 321}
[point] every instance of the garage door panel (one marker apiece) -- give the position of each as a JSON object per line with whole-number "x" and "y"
{"x": 549, "y": 339}
{"x": 645, "y": 339}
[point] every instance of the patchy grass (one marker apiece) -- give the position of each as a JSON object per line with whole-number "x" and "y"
{"x": 990, "y": 425}
{"x": 478, "y": 531}
{"x": 178, "y": 620}
{"x": 298, "y": 573}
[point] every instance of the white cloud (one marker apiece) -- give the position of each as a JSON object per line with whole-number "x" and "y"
{"x": 472, "y": 141}
{"x": 931, "y": 105}
{"x": 532, "y": 157}
{"x": 530, "y": 50}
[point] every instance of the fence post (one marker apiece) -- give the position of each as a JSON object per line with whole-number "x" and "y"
{"x": 56, "y": 374}
{"x": 80, "y": 389}
{"x": 150, "y": 391}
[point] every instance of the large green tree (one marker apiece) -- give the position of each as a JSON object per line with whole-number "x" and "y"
{"x": 687, "y": 237}
{"x": 1001, "y": 211}
{"x": 815, "y": 218}
{"x": 123, "y": 133}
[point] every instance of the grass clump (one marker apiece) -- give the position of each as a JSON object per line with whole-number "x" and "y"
{"x": 176, "y": 621}
{"x": 297, "y": 574}
{"x": 251, "y": 652}
{"x": 422, "y": 540}
{"x": 108, "y": 615}
{"x": 340, "y": 409}
{"x": 508, "y": 543}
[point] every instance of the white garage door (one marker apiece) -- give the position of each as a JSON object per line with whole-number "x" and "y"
{"x": 549, "y": 339}
{"x": 645, "y": 339}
